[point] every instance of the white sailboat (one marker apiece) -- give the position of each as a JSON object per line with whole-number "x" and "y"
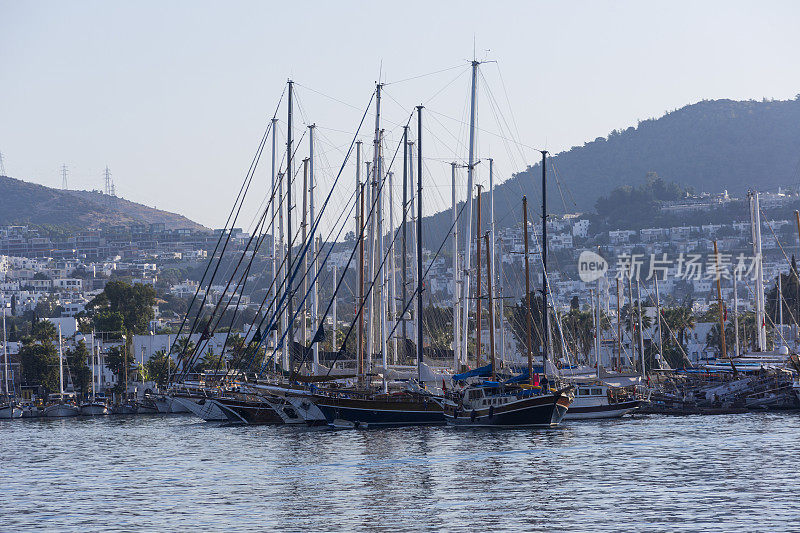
{"x": 94, "y": 407}
{"x": 58, "y": 407}
{"x": 8, "y": 407}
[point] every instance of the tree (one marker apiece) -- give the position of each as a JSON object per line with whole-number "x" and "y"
{"x": 134, "y": 302}
{"x": 159, "y": 368}
{"x": 115, "y": 362}
{"x": 39, "y": 360}
{"x": 76, "y": 366}
{"x": 112, "y": 322}
{"x": 44, "y": 331}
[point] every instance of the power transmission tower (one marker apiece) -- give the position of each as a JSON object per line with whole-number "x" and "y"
{"x": 109, "y": 185}
{"x": 64, "y": 177}
{"x": 2, "y": 166}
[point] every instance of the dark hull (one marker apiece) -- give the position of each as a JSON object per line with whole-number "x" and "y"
{"x": 367, "y": 412}
{"x": 248, "y": 412}
{"x": 541, "y": 411}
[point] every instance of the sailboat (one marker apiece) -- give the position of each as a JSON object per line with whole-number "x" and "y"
{"x": 94, "y": 407}
{"x": 510, "y": 403}
{"x": 8, "y": 407}
{"x": 359, "y": 408}
{"x": 58, "y": 407}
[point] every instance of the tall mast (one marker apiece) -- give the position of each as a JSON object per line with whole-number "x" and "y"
{"x": 381, "y": 273}
{"x": 491, "y": 250}
{"x": 736, "y": 314}
{"x": 275, "y": 201}
{"x": 282, "y": 277}
{"x": 360, "y": 303}
{"x": 333, "y": 310}
{"x": 419, "y": 242}
{"x": 596, "y": 327}
{"x": 404, "y": 245}
{"x": 658, "y": 317}
{"x": 94, "y": 392}
{"x": 304, "y": 271}
{"x": 456, "y": 287}
{"x": 491, "y": 305}
{"x": 528, "y": 310}
{"x": 392, "y": 269}
{"x": 360, "y": 275}
{"x": 721, "y": 309}
{"x": 470, "y": 168}
{"x": 755, "y": 221}
{"x": 415, "y": 271}
{"x": 5, "y": 352}
{"x": 478, "y": 296}
{"x": 619, "y": 330}
{"x": 641, "y": 331}
{"x": 630, "y": 316}
{"x": 371, "y": 266}
{"x": 545, "y": 312}
{"x": 289, "y": 175}
{"x": 61, "y": 366}
{"x": 501, "y": 305}
{"x": 314, "y": 248}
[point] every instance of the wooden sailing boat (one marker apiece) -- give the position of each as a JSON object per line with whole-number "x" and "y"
{"x": 354, "y": 408}
{"x": 507, "y": 403}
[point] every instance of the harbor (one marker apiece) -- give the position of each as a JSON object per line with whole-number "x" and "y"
{"x": 416, "y": 267}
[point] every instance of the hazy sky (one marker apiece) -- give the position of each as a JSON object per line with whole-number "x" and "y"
{"x": 174, "y": 96}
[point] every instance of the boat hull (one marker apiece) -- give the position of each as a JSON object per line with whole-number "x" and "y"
{"x": 312, "y": 414}
{"x": 248, "y": 411}
{"x": 365, "y": 413}
{"x": 125, "y": 409}
{"x": 94, "y": 409}
{"x": 9, "y": 411}
{"x": 205, "y": 408}
{"x": 613, "y": 410}
{"x": 61, "y": 410}
{"x": 537, "y": 411}
{"x": 286, "y": 410}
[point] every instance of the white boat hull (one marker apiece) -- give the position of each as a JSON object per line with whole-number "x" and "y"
{"x": 61, "y": 410}
{"x": 208, "y": 410}
{"x": 601, "y": 411}
{"x": 94, "y": 409}
{"x": 169, "y": 405}
{"x": 286, "y": 411}
{"x": 10, "y": 411}
{"x": 307, "y": 409}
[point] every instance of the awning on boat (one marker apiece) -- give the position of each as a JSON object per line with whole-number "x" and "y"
{"x": 483, "y": 371}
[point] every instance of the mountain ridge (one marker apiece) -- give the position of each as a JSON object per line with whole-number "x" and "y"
{"x": 23, "y": 202}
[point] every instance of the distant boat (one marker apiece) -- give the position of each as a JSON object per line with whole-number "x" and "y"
{"x": 97, "y": 405}
{"x": 95, "y": 408}
{"x": 496, "y": 404}
{"x": 58, "y": 406}
{"x": 251, "y": 410}
{"x": 202, "y": 407}
{"x": 10, "y": 410}
{"x": 363, "y": 410}
{"x": 593, "y": 401}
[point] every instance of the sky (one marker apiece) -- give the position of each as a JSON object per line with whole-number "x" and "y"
{"x": 174, "y": 96}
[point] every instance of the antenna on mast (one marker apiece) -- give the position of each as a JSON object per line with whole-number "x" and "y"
{"x": 64, "y": 186}
{"x": 2, "y": 166}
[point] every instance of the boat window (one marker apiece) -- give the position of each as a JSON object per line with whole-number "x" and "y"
{"x": 597, "y": 392}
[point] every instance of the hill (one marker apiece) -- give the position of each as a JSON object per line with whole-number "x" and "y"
{"x": 709, "y": 146}
{"x": 22, "y": 202}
